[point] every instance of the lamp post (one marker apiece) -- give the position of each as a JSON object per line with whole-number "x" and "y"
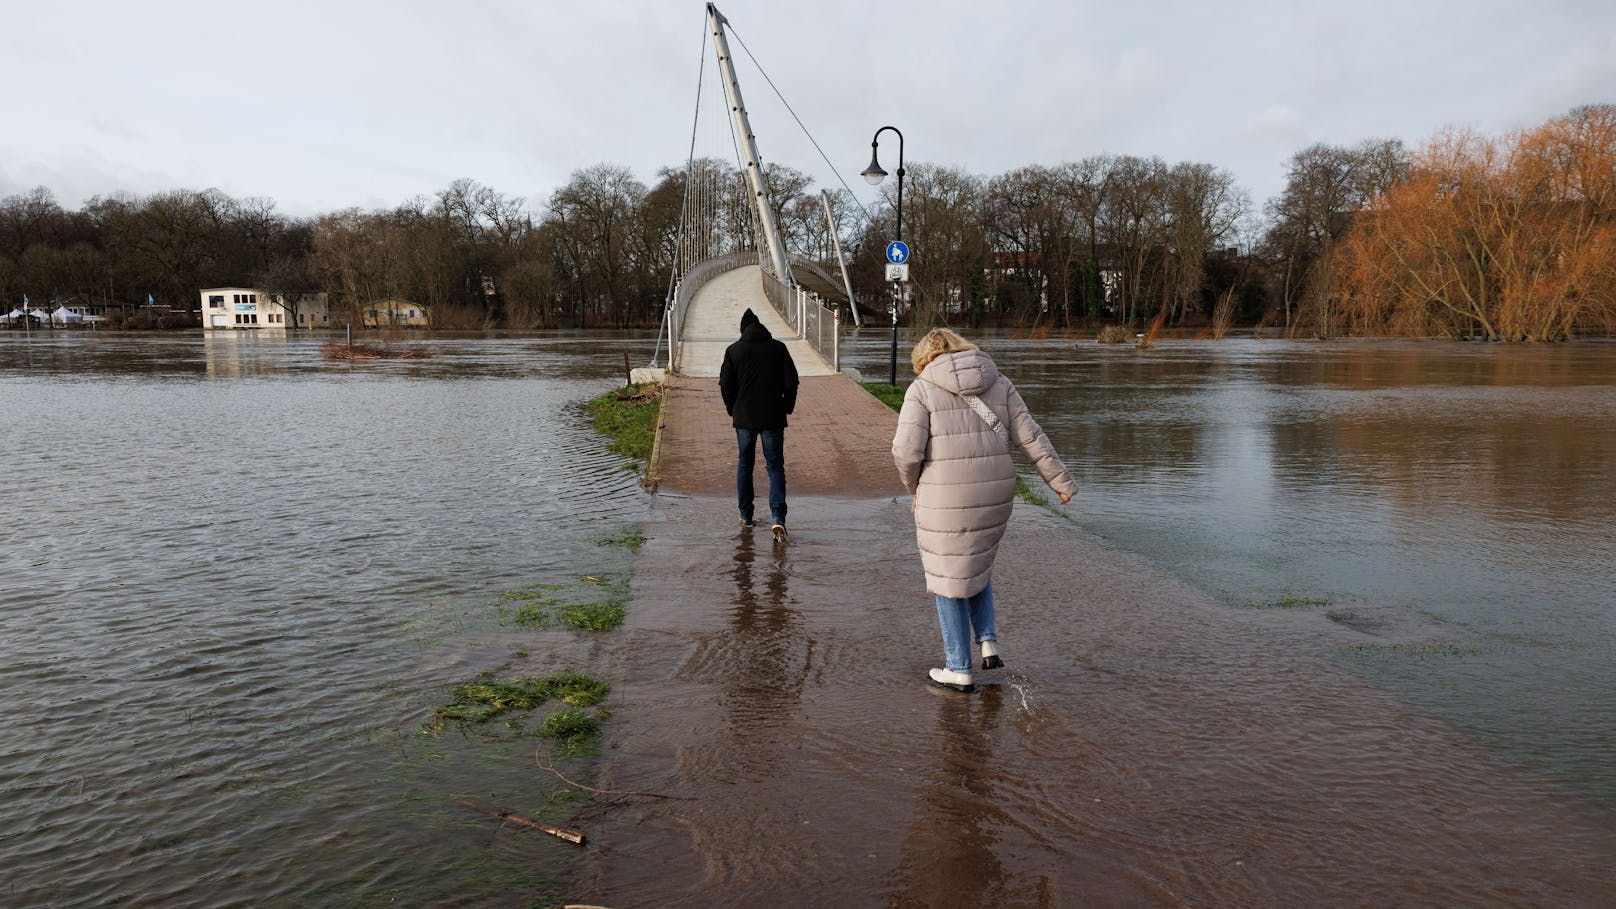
{"x": 874, "y": 175}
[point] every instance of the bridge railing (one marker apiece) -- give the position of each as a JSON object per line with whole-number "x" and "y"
{"x": 808, "y": 316}
{"x": 685, "y": 291}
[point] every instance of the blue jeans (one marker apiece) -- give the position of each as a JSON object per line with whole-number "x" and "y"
{"x": 774, "y": 461}
{"x": 958, "y": 616}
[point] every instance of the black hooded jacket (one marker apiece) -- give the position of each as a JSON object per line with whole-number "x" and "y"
{"x": 758, "y": 378}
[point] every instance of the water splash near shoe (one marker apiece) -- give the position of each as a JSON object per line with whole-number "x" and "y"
{"x": 1023, "y": 689}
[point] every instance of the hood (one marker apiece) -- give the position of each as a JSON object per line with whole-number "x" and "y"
{"x": 752, "y": 329}
{"x": 963, "y": 372}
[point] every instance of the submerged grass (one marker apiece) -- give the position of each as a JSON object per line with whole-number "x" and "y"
{"x": 628, "y": 417}
{"x": 602, "y": 616}
{"x": 487, "y": 698}
{"x": 569, "y": 725}
{"x": 631, "y": 539}
{"x": 1032, "y": 496}
{"x": 601, "y": 606}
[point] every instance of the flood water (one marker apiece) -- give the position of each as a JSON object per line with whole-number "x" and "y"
{"x": 239, "y": 577}
{"x": 1457, "y": 501}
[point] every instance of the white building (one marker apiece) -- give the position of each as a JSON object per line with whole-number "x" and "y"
{"x": 249, "y": 307}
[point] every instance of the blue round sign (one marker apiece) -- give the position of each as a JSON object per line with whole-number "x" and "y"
{"x": 897, "y": 252}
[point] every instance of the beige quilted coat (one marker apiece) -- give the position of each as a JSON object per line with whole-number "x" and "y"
{"x": 961, "y": 474}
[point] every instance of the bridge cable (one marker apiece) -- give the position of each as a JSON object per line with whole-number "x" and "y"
{"x": 804, "y": 128}
{"x": 690, "y": 161}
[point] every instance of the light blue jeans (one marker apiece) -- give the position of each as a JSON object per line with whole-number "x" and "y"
{"x": 958, "y": 616}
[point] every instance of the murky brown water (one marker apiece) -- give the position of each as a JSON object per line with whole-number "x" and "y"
{"x": 239, "y": 578}
{"x": 1458, "y": 500}
{"x": 1146, "y": 745}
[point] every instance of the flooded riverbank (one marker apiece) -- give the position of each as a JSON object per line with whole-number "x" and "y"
{"x": 239, "y": 579}
{"x": 1145, "y": 745}
{"x": 1456, "y": 497}
{"x": 242, "y": 576}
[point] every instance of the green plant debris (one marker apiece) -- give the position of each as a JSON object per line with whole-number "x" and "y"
{"x": 602, "y": 616}
{"x": 631, "y": 539}
{"x": 535, "y": 605}
{"x": 628, "y": 417}
{"x": 569, "y": 724}
{"x": 487, "y": 699}
{"x": 600, "y": 607}
{"x": 890, "y": 395}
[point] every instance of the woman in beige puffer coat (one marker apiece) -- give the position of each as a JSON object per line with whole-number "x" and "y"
{"x": 957, "y": 463}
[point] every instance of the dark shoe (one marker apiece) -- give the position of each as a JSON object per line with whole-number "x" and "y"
{"x": 948, "y": 678}
{"x": 779, "y": 531}
{"x": 747, "y": 522}
{"x": 990, "y": 656}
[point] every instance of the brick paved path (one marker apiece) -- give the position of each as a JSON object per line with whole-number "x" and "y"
{"x": 839, "y": 442}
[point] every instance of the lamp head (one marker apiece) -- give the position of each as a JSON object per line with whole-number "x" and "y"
{"x": 873, "y": 174}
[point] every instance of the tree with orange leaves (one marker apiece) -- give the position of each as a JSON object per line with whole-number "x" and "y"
{"x": 1513, "y": 238}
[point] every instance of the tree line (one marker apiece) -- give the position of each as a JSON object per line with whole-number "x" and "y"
{"x": 1507, "y": 237}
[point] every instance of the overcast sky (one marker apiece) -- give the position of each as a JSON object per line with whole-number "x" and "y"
{"x": 338, "y": 103}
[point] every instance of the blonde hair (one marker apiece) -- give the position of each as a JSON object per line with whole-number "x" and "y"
{"x": 937, "y": 342}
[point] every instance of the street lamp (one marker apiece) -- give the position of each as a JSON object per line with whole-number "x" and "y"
{"x": 873, "y": 175}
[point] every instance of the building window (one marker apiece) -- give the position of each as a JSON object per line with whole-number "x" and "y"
{"x": 215, "y": 300}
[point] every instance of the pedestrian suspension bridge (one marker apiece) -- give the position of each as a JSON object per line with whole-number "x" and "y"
{"x": 731, "y": 253}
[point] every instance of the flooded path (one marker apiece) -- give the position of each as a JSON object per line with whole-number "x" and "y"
{"x": 1146, "y": 746}
{"x": 1329, "y": 624}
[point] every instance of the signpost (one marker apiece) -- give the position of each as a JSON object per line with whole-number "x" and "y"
{"x": 898, "y": 274}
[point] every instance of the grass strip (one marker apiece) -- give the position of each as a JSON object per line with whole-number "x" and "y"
{"x": 890, "y": 395}
{"x": 628, "y": 417}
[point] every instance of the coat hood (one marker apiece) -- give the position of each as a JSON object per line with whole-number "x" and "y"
{"x": 752, "y": 328}
{"x": 963, "y": 372}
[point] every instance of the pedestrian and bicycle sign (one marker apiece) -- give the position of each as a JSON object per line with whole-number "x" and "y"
{"x": 897, "y": 252}
{"x": 897, "y": 272}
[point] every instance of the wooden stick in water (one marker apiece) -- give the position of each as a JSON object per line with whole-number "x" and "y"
{"x": 571, "y": 836}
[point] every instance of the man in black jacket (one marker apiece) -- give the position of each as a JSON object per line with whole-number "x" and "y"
{"x": 759, "y": 384}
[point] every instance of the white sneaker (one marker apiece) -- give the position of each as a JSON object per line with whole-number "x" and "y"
{"x": 990, "y": 656}
{"x": 779, "y": 531}
{"x": 948, "y": 678}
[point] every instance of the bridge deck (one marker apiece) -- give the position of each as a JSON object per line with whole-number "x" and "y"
{"x": 714, "y": 322}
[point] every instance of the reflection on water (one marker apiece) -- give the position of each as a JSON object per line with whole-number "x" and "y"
{"x": 240, "y": 575}
{"x": 948, "y": 855}
{"x": 238, "y": 578}
{"x": 1465, "y": 493}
